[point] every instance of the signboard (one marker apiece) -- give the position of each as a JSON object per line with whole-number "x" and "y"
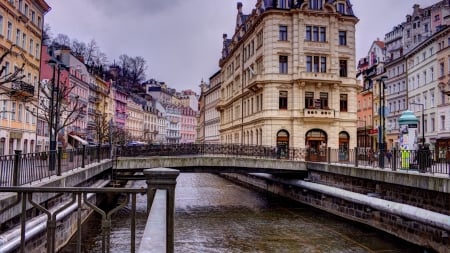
{"x": 317, "y": 103}
{"x": 15, "y": 135}
{"x": 373, "y": 131}
{"x": 412, "y": 125}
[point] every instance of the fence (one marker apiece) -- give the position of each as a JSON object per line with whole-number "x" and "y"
{"x": 424, "y": 161}
{"x": 20, "y": 169}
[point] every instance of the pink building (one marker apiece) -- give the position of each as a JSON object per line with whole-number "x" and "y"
{"x": 188, "y": 125}
{"x": 48, "y": 74}
{"x": 120, "y": 107}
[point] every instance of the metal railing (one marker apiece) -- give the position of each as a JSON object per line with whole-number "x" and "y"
{"x": 78, "y": 202}
{"x": 424, "y": 161}
{"x": 20, "y": 169}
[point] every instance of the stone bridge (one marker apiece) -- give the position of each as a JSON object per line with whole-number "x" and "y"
{"x": 129, "y": 168}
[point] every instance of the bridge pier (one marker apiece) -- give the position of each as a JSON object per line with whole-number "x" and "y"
{"x": 161, "y": 179}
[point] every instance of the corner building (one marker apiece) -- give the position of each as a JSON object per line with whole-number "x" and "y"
{"x": 289, "y": 76}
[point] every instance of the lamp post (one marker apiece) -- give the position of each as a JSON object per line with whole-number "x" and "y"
{"x": 365, "y": 138}
{"x": 54, "y": 107}
{"x": 423, "y": 122}
{"x": 382, "y": 139}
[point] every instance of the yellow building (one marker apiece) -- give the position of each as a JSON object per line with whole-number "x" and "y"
{"x": 289, "y": 77}
{"x": 21, "y": 24}
{"x": 134, "y": 124}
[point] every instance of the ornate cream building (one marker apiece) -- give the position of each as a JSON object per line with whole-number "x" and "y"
{"x": 288, "y": 76}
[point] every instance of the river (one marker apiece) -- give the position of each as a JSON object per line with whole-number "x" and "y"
{"x": 214, "y": 215}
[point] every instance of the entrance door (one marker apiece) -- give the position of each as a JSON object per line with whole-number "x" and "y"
{"x": 343, "y": 146}
{"x": 316, "y": 145}
{"x": 283, "y": 145}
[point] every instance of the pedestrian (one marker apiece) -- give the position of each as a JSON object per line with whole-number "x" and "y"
{"x": 389, "y": 156}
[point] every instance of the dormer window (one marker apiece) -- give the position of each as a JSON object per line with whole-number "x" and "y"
{"x": 315, "y": 4}
{"x": 283, "y": 4}
{"x": 341, "y": 8}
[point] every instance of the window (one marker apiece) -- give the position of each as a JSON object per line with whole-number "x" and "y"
{"x": 341, "y": 8}
{"x": 19, "y": 116}
{"x": 343, "y": 68}
{"x": 308, "y": 35}
{"x": 309, "y": 99}
{"x": 39, "y": 22}
{"x": 8, "y": 35}
{"x": 6, "y": 71}
{"x": 1, "y": 25}
{"x": 315, "y": 4}
{"x": 26, "y": 10}
{"x": 343, "y": 102}
{"x": 33, "y": 17}
{"x": 283, "y": 4}
{"x": 24, "y": 40}
{"x": 259, "y": 39}
{"x": 283, "y": 64}
{"x": 13, "y": 110}
{"x": 4, "y": 109}
{"x": 283, "y": 32}
{"x": 283, "y": 100}
{"x": 17, "y": 36}
{"x": 323, "y": 34}
{"x": 316, "y": 63}
{"x": 324, "y": 100}
{"x": 31, "y": 47}
{"x": 342, "y": 38}
{"x": 2, "y": 146}
{"x": 442, "y": 69}
{"x": 442, "y": 123}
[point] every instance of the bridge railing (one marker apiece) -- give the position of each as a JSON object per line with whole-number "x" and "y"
{"x": 60, "y": 218}
{"x": 20, "y": 169}
{"x": 428, "y": 161}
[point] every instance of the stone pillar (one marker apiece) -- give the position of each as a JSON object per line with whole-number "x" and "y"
{"x": 165, "y": 179}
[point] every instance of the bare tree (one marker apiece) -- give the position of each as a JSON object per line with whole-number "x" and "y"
{"x": 102, "y": 127}
{"x": 58, "y": 103}
{"x": 78, "y": 48}
{"x": 120, "y": 136}
{"x": 6, "y": 75}
{"x": 62, "y": 40}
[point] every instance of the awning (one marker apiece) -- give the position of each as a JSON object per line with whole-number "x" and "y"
{"x": 79, "y": 139}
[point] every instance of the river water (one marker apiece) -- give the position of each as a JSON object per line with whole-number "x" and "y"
{"x": 214, "y": 215}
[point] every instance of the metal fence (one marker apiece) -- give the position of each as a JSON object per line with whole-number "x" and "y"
{"x": 424, "y": 161}
{"x": 20, "y": 169}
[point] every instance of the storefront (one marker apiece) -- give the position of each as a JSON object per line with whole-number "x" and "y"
{"x": 282, "y": 144}
{"x": 316, "y": 145}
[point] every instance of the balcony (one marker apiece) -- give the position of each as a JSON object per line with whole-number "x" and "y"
{"x": 319, "y": 113}
{"x": 22, "y": 90}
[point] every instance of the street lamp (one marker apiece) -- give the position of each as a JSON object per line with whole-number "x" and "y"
{"x": 54, "y": 107}
{"x": 382, "y": 136}
{"x": 423, "y": 122}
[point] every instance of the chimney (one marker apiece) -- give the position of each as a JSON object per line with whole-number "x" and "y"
{"x": 239, "y": 7}
{"x": 224, "y": 36}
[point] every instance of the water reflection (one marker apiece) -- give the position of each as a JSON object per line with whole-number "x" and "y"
{"x": 214, "y": 215}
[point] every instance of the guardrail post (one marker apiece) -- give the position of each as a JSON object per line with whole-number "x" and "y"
{"x": 58, "y": 169}
{"x": 329, "y": 155}
{"x": 83, "y": 155}
{"x": 356, "y": 157}
{"x": 394, "y": 159}
{"x": 98, "y": 153}
{"x": 16, "y": 172}
{"x": 164, "y": 178}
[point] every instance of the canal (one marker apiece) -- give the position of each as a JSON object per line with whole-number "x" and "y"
{"x": 215, "y": 215}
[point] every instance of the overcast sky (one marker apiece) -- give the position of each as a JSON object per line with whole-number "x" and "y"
{"x": 182, "y": 40}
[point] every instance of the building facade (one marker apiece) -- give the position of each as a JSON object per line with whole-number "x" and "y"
{"x": 21, "y": 24}
{"x": 288, "y": 77}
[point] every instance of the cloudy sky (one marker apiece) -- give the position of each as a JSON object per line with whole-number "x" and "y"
{"x": 181, "y": 40}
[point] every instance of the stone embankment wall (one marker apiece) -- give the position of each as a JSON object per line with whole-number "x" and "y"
{"x": 360, "y": 202}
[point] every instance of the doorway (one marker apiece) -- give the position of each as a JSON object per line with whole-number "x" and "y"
{"x": 316, "y": 145}
{"x": 282, "y": 144}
